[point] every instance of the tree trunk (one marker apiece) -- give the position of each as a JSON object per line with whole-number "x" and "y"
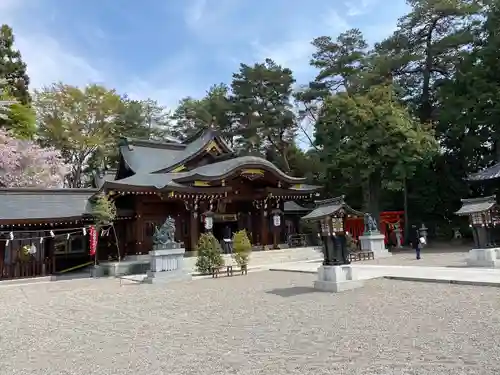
{"x": 372, "y": 196}
{"x": 286, "y": 163}
{"x": 425, "y": 99}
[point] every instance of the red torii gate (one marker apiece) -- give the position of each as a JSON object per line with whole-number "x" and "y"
{"x": 388, "y": 219}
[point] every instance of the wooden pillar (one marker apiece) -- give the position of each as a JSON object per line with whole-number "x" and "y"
{"x": 194, "y": 230}
{"x": 255, "y": 219}
{"x": 249, "y": 227}
{"x": 264, "y": 226}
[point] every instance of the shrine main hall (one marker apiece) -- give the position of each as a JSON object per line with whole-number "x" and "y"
{"x": 197, "y": 179}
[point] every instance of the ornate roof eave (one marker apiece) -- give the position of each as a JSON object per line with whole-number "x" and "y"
{"x": 171, "y": 143}
{"x": 278, "y": 173}
{"x": 166, "y": 189}
{"x": 291, "y": 192}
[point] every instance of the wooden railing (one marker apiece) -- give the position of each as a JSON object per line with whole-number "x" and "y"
{"x": 25, "y": 269}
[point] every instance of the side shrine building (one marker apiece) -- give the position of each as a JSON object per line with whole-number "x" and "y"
{"x": 194, "y": 180}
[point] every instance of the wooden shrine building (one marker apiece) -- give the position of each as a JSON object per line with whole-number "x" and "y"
{"x": 42, "y": 231}
{"x": 194, "y": 180}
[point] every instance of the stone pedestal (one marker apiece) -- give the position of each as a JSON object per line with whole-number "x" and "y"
{"x": 374, "y": 242}
{"x": 484, "y": 258}
{"x": 167, "y": 265}
{"x": 337, "y": 279}
{"x": 131, "y": 265}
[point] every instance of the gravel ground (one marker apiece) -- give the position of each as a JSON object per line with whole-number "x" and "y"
{"x": 263, "y": 323}
{"x": 428, "y": 259}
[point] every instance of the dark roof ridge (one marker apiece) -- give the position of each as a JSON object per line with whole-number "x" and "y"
{"x": 490, "y": 198}
{"x": 131, "y": 142}
{"x": 336, "y": 200}
{"x": 24, "y": 190}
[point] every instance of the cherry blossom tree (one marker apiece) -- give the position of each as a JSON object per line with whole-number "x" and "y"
{"x": 23, "y": 163}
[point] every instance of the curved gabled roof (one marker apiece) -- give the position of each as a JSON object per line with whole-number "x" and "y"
{"x": 148, "y": 156}
{"x": 195, "y": 148}
{"x": 157, "y": 157}
{"x": 225, "y": 168}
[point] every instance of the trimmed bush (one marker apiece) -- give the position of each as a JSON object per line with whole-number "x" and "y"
{"x": 242, "y": 247}
{"x": 209, "y": 253}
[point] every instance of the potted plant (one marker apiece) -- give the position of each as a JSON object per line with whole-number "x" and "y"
{"x": 242, "y": 248}
{"x": 209, "y": 254}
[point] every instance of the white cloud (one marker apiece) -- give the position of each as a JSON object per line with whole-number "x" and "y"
{"x": 194, "y": 12}
{"x": 48, "y": 61}
{"x": 51, "y": 59}
{"x": 358, "y": 8}
{"x": 295, "y": 52}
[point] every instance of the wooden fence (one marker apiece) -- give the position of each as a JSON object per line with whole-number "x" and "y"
{"x": 25, "y": 269}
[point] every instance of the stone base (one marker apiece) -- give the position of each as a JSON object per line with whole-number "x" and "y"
{"x": 374, "y": 242}
{"x": 135, "y": 265}
{"x": 166, "y": 266}
{"x": 337, "y": 279}
{"x": 97, "y": 271}
{"x": 489, "y": 258}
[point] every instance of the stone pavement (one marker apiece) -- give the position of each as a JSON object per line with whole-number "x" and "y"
{"x": 259, "y": 324}
{"x": 429, "y": 259}
{"x": 405, "y": 267}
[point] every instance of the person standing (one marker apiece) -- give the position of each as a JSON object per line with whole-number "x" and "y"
{"x": 415, "y": 240}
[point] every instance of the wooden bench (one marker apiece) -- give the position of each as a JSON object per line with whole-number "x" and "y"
{"x": 216, "y": 271}
{"x": 229, "y": 270}
{"x": 243, "y": 269}
{"x": 361, "y": 255}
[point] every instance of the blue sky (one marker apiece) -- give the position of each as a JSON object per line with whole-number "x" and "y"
{"x": 170, "y": 49}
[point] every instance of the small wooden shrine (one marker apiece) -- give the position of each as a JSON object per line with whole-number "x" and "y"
{"x": 331, "y": 215}
{"x": 483, "y": 214}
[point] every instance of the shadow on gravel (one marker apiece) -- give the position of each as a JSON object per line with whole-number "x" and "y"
{"x": 293, "y": 291}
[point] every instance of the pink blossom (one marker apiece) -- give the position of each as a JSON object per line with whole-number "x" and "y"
{"x": 23, "y": 163}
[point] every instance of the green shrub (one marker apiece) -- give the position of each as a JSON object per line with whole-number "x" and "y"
{"x": 242, "y": 247}
{"x": 103, "y": 210}
{"x": 209, "y": 253}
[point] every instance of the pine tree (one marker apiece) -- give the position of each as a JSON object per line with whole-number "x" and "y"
{"x": 103, "y": 210}
{"x": 12, "y": 67}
